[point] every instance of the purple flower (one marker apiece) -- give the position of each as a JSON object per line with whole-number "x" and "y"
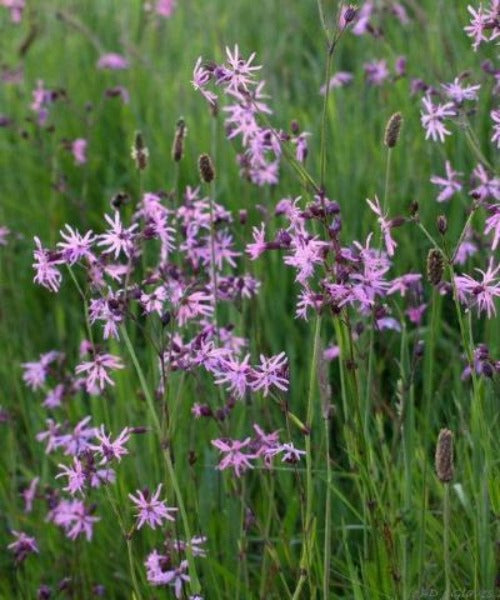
{"x": 16, "y": 8}
{"x": 111, "y": 450}
{"x": 74, "y": 517}
{"x": 78, "y": 440}
{"x": 489, "y": 186}
{"x": 4, "y": 233}
{"x": 234, "y": 458}
{"x": 54, "y": 397}
{"x": 201, "y": 77}
{"x": 29, "y": 494}
{"x": 306, "y": 253}
{"x": 492, "y": 224}
{"x": 79, "y": 150}
{"x": 97, "y": 371}
{"x": 159, "y": 573}
{"x": 75, "y": 246}
{"x": 480, "y": 26}
{"x": 117, "y": 238}
{"x": 35, "y": 373}
{"x": 495, "y": 138}
{"x": 22, "y": 546}
{"x": 432, "y": 120}
{"x": 52, "y": 435}
{"x": 290, "y": 453}
{"x": 47, "y": 274}
{"x": 376, "y": 72}
{"x": 385, "y": 225}
{"x": 76, "y": 476}
{"x": 238, "y": 74}
{"x": 41, "y": 100}
{"x": 339, "y": 79}
{"x": 459, "y": 94}
{"x": 151, "y": 510}
{"x": 271, "y": 372}
{"x": 112, "y": 61}
{"x": 480, "y": 293}
{"x": 415, "y": 313}
{"x": 449, "y": 184}
{"x": 165, "y": 8}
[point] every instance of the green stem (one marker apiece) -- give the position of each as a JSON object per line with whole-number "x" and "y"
{"x": 446, "y": 541}
{"x": 328, "y": 514}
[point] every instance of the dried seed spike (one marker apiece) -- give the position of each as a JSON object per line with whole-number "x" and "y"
{"x": 435, "y": 266}
{"x": 206, "y": 168}
{"x": 180, "y": 136}
{"x": 140, "y": 153}
{"x": 444, "y": 456}
{"x": 392, "y": 130}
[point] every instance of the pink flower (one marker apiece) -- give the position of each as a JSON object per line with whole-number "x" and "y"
{"x": 117, "y": 238}
{"x": 493, "y": 225}
{"x": 234, "y": 458}
{"x": 495, "y": 138}
{"x": 112, "y": 61}
{"x": 111, "y": 450}
{"x": 376, "y": 72}
{"x": 290, "y": 453}
{"x": 35, "y": 373}
{"x": 340, "y": 79}
{"x": 16, "y": 8}
{"x": 45, "y": 263}
{"x": 271, "y": 372}
{"x": 4, "y": 233}
{"x": 22, "y": 546}
{"x": 236, "y": 374}
{"x": 449, "y": 184}
{"x": 29, "y": 494}
{"x": 151, "y": 510}
{"x": 78, "y": 440}
{"x": 79, "y": 149}
{"x": 158, "y": 574}
{"x": 238, "y": 73}
{"x": 432, "y": 120}
{"x": 201, "y": 76}
{"x": 75, "y": 246}
{"x": 385, "y": 225}
{"x": 74, "y": 517}
{"x": 489, "y": 186}
{"x": 459, "y": 94}
{"x": 480, "y": 293}
{"x": 97, "y": 371}
{"x": 76, "y": 476}
{"x": 479, "y": 27}
{"x": 164, "y": 8}
{"x": 415, "y": 313}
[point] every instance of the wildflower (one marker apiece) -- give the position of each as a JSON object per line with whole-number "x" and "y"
{"x": 305, "y": 254}
{"x": 271, "y": 372}
{"x": 109, "y": 311}
{"x": 460, "y": 94}
{"x": 432, "y": 120}
{"x": 112, "y": 61}
{"x": 41, "y": 100}
{"x": 235, "y": 373}
{"x": 301, "y": 146}
{"x": 238, "y": 74}
{"x": 4, "y": 233}
{"x": 290, "y": 453}
{"x": 45, "y": 263}
{"x": 492, "y": 224}
{"x": 97, "y": 371}
{"x": 415, "y": 313}
{"x": 234, "y": 458}
{"x": 79, "y": 150}
{"x": 480, "y": 293}
{"x": 385, "y": 225}
{"x": 29, "y": 494}
{"x": 449, "y": 184}
{"x": 495, "y": 138}
{"x": 165, "y": 8}
{"x": 117, "y": 238}
{"x": 479, "y": 26}
{"x": 35, "y": 373}
{"x": 157, "y": 575}
{"x": 259, "y": 245}
{"x": 376, "y": 72}
{"x": 201, "y": 76}
{"x": 52, "y": 435}
{"x": 111, "y": 450}
{"x": 151, "y": 510}
{"x": 193, "y": 306}
{"x": 75, "y": 246}
{"x": 78, "y": 440}
{"x": 76, "y": 476}
{"x": 489, "y": 186}
{"x": 195, "y": 545}
{"x": 75, "y": 518}
{"x": 22, "y": 546}
{"x": 339, "y": 79}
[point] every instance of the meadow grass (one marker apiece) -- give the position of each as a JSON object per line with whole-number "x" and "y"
{"x": 368, "y": 481}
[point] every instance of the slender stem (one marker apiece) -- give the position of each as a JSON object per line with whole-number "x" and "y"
{"x": 328, "y": 514}
{"x": 446, "y": 541}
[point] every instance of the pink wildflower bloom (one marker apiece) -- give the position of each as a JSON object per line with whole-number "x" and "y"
{"x": 339, "y": 79}
{"x": 238, "y": 73}
{"x": 489, "y": 186}
{"x": 416, "y": 313}
{"x": 79, "y": 150}
{"x": 99, "y": 477}
{"x": 117, "y": 238}
{"x": 47, "y": 274}
{"x": 306, "y": 300}
{"x": 76, "y": 476}
{"x": 112, "y": 61}
{"x": 78, "y": 440}
{"x": 165, "y": 8}
{"x": 175, "y": 577}
{"x": 234, "y": 373}
{"x": 480, "y": 293}
{"x": 362, "y": 24}
{"x": 234, "y": 458}
{"x": 52, "y": 435}
{"x": 201, "y": 77}
{"x": 75, "y": 246}
{"x": 35, "y": 373}
{"x": 301, "y": 146}
{"x": 195, "y": 545}
{"x": 385, "y": 225}
{"x": 4, "y": 233}
{"x": 151, "y": 510}
{"x": 493, "y": 225}
{"x": 154, "y": 301}
{"x": 29, "y": 494}
{"x": 479, "y": 26}
{"x": 290, "y": 453}
{"x": 111, "y": 450}
{"x": 432, "y": 119}
{"x": 405, "y": 283}
{"x": 306, "y": 254}
{"x": 495, "y": 138}
{"x": 54, "y": 397}
{"x": 97, "y": 371}
{"x": 376, "y": 72}
{"x": 449, "y": 184}
{"x": 193, "y": 306}
{"x": 259, "y": 245}
{"x": 459, "y": 94}
{"x": 387, "y": 323}
{"x": 100, "y": 309}
{"x": 271, "y": 372}
{"x": 16, "y": 8}
{"x": 41, "y": 100}
{"x": 22, "y": 546}
{"x": 75, "y": 518}
{"x": 466, "y": 249}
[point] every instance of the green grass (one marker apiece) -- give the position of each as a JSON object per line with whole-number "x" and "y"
{"x": 385, "y": 523}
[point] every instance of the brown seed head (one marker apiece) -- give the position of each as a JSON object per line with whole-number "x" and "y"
{"x": 435, "y": 266}
{"x": 392, "y": 130}
{"x": 180, "y": 136}
{"x": 444, "y": 456}
{"x": 206, "y": 168}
